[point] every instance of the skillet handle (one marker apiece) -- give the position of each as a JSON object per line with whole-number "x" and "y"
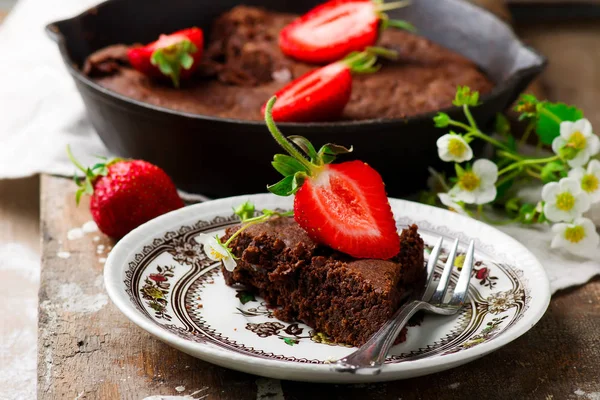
{"x": 53, "y": 32}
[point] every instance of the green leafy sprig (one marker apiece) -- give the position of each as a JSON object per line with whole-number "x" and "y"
{"x": 86, "y": 184}
{"x": 171, "y": 59}
{"x": 302, "y": 160}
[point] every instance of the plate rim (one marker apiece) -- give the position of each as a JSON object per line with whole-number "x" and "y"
{"x": 116, "y": 263}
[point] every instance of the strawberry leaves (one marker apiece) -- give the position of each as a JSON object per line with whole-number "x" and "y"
{"x": 86, "y": 184}
{"x": 171, "y": 59}
{"x": 295, "y": 167}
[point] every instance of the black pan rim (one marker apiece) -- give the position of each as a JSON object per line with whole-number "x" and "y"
{"x": 54, "y": 32}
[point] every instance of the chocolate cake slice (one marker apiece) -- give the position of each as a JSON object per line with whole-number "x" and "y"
{"x": 345, "y": 298}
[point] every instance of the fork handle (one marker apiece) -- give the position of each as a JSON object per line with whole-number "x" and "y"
{"x": 369, "y": 358}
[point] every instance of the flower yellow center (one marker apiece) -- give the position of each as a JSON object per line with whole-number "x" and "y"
{"x": 577, "y": 141}
{"x": 218, "y": 256}
{"x": 575, "y": 234}
{"x": 456, "y": 147}
{"x": 590, "y": 183}
{"x": 469, "y": 181}
{"x": 565, "y": 201}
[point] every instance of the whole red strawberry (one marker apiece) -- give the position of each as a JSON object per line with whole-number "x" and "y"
{"x": 176, "y": 55}
{"x": 331, "y": 30}
{"x": 126, "y": 193}
{"x": 341, "y": 205}
{"x": 322, "y": 94}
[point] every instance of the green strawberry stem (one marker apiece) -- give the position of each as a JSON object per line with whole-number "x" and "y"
{"x": 364, "y": 62}
{"x": 381, "y": 7}
{"x": 91, "y": 174}
{"x": 282, "y": 141}
{"x": 171, "y": 59}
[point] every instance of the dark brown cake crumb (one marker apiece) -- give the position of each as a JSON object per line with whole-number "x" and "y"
{"x": 347, "y": 299}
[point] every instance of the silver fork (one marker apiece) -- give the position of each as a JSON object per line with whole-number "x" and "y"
{"x": 369, "y": 358}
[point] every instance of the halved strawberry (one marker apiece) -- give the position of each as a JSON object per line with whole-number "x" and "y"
{"x": 331, "y": 30}
{"x": 322, "y": 94}
{"x": 176, "y": 55}
{"x": 341, "y": 205}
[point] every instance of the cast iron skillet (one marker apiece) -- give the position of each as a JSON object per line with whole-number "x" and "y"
{"x": 222, "y": 157}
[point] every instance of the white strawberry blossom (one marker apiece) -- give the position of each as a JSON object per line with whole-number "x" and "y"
{"x": 564, "y": 200}
{"x": 478, "y": 185}
{"x": 589, "y": 179}
{"x": 452, "y": 147}
{"x": 216, "y": 251}
{"x": 579, "y": 237}
{"x": 576, "y": 142}
{"x": 451, "y": 203}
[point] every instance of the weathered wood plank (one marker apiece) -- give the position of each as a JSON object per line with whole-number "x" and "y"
{"x": 86, "y": 347}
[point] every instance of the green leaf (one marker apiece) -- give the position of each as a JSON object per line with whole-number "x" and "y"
{"x": 512, "y": 205}
{"x": 511, "y": 143}
{"x": 283, "y": 187}
{"x": 550, "y": 117}
{"x": 299, "y": 178}
{"x": 328, "y": 152}
{"x": 527, "y": 213}
{"x": 502, "y": 125}
{"x": 459, "y": 170}
{"x": 441, "y": 120}
{"x": 287, "y": 165}
{"x": 88, "y": 188}
{"x": 171, "y": 59}
{"x": 244, "y": 210}
{"x": 306, "y": 146}
{"x": 290, "y": 341}
{"x": 186, "y": 61}
{"x": 245, "y": 296}
{"x": 401, "y": 24}
{"x": 78, "y": 195}
{"x": 553, "y": 171}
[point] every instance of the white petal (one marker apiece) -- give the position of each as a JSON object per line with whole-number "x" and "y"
{"x": 203, "y": 238}
{"x": 566, "y": 129}
{"x": 443, "y": 141}
{"x": 444, "y": 154}
{"x": 580, "y": 159}
{"x": 593, "y": 144}
{"x": 487, "y": 195}
{"x": 229, "y": 263}
{"x": 468, "y": 155}
{"x": 570, "y": 185}
{"x": 486, "y": 170}
{"x": 593, "y": 167}
{"x": 553, "y": 214}
{"x": 550, "y": 191}
{"x": 462, "y": 195}
{"x": 577, "y": 173}
{"x": 559, "y": 228}
{"x": 558, "y": 241}
{"x": 583, "y": 126}
{"x": 558, "y": 144}
{"x": 582, "y": 203}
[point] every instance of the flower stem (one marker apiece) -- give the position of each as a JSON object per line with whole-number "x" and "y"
{"x": 528, "y": 162}
{"x": 528, "y": 131}
{"x": 253, "y": 221}
{"x": 507, "y": 178}
{"x": 483, "y": 136}
{"x": 460, "y": 125}
{"x": 470, "y": 117}
{"x": 533, "y": 174}
{"x": 279, "y": 138}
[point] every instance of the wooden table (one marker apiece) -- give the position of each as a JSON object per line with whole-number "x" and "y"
{"x": 88, "y": 350}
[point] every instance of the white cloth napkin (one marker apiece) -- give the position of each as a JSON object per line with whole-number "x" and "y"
{"x": 42, "y": 113}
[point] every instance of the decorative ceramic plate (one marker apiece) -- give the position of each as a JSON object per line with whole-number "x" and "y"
{"x": 159, "y": 278}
